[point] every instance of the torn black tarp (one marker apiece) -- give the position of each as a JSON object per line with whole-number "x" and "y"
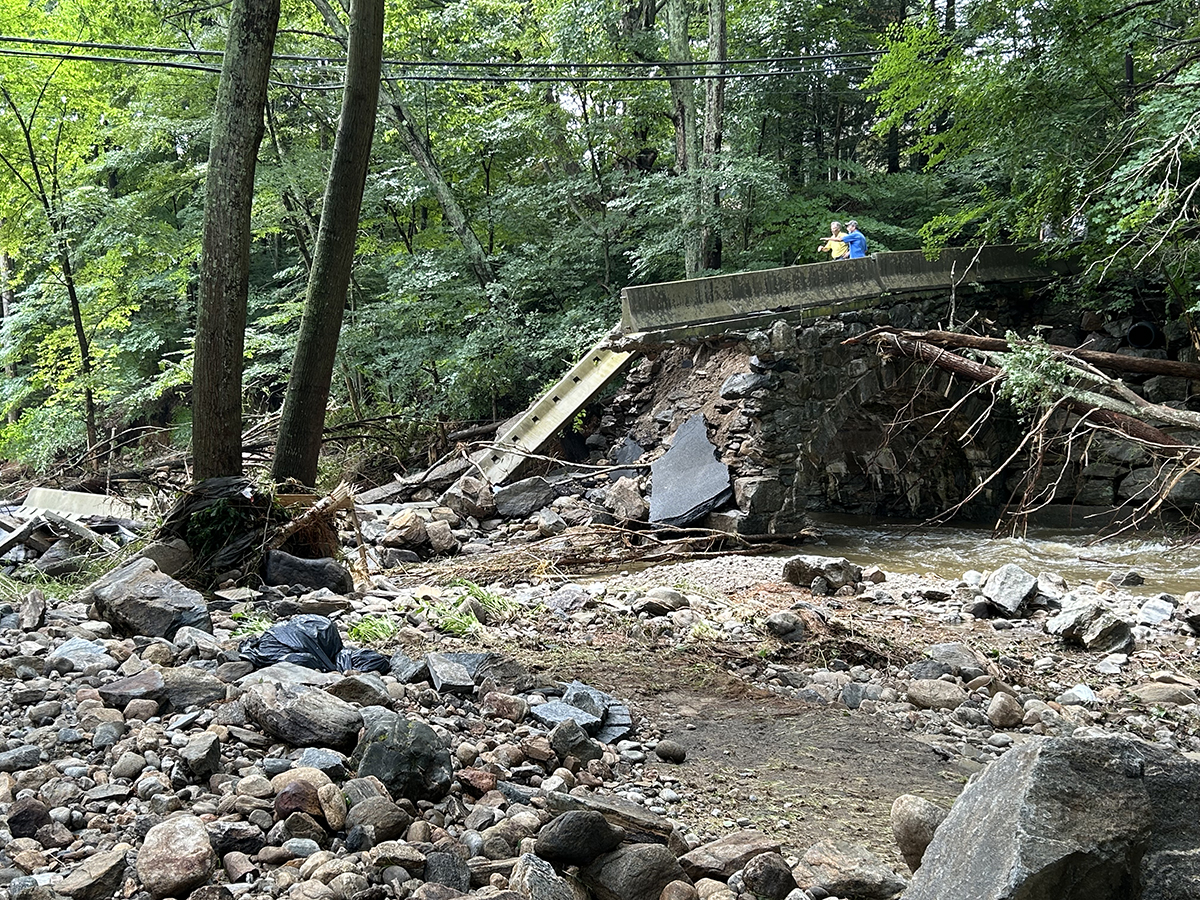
{"x": 313, "y": 642}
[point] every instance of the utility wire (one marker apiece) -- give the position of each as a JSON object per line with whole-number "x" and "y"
{"x": 128, "y": 60}
{"x": 447, "y": 78}
{"x": 328, "y": 60}
{"x": 560, "y": 79}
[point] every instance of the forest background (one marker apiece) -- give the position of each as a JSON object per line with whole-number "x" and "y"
{"x": 530, "y": 159}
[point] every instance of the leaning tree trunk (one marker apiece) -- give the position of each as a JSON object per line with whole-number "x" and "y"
{"x": 714, "y": 125}
{"x": 225, "y": 257}
{"x": 418, "y": 148}
{"x": 683, "y": 102}
{"x": 456, "y": 217}
{"x": 303, "y": 418}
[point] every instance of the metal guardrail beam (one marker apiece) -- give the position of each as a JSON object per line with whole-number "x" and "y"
{"x": 554, "y": 410}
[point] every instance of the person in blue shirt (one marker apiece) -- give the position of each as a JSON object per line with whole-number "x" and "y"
{"x": 855, "y": 240}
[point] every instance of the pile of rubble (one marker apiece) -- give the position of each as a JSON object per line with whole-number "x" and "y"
{"x": 147, "y": 757}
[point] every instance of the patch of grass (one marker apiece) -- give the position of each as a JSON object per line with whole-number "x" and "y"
{"x": 14, "y": 590}
{"x": 373, "y": 629}
{"x": 251, "y": 624}
{"x": 499, "y": 607}
{"x": 451, "y": 616}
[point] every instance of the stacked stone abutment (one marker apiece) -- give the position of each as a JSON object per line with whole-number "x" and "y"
{"x": 808, "y": 423}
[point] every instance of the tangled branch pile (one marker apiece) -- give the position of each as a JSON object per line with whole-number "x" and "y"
{"x": 1066, "y": 394}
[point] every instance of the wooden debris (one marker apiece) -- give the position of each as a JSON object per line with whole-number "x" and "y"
{"x": 898, "y": 345}
{"x": 1117, "y": 362}
{"x": 341, "y": 497}
{"x": 81, "y": 531}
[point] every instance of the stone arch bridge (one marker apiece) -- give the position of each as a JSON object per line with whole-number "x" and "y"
{"x": 658, "y": 314}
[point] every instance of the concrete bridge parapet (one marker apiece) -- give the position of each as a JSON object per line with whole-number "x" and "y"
{"x": 750, "y": 294}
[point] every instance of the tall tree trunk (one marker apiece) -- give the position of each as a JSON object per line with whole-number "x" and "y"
{"x": 683, "y": 102}
{"x": 6, "y": 306}
{"x": 225, "y": 256}
{"x": 303, "y": 417}
{"x": 81, "y": 339}
{"x": 714, "y": 126}
{"x": 44, "y": 187}
{"x": 418, "y": 148}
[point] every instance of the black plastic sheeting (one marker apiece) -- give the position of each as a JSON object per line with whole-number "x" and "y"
{"x": 313, "y": 642}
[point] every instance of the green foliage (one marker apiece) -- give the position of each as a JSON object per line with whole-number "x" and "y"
{"x": 210, "y": 527}
{"x": 456, "y": 614}
{"x": 1015, "y": 119}
{"x": 373, "y": 629}
{"x": 499, "y": 607}
{"x": 251, "y": 623}
{"x": 1026, "y": 110}
{"x": 451, "y": 616}
{"x": 1034, "y": 378}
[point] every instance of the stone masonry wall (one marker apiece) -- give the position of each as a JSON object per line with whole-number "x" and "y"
{"x": 809, "y": 424}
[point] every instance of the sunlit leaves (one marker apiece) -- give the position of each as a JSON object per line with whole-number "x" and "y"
{"x": 1059, "y": 111}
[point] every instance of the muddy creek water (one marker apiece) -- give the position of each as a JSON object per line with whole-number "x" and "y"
{"x": 1167, "y": 564}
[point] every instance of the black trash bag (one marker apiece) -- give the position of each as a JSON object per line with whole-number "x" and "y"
{"x": 361, "y": 659}
{"x": 310, "y": 641}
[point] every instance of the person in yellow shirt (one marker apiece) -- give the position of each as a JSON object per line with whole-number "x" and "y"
{"x": 834, "y": 244}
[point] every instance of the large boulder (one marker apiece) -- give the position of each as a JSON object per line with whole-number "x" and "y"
{"x": 175, "y": 688}
{"x": 1091, "y": 623}
{"x": 175, "y": 857}
{"x": 577, "y": 837}
{"x": 1008, "y": 588}
{"x": 470, "y": 496}
{"x": 523, "y": 498}
{"x": 302, "y": 716}
{"x": 803, "y": 569}
{"x": 841, "y": 869}
{"x": 407, "y": 756}
{"x": 281, "y": 568}
{"x": 138, "y": 599}
{"x": 914, "y": 822}
{"x": 724, "y": 856}
{"x": 1103, "y": 818}
{"x": 635, "y": 872}
{"x": 624, "y": 500}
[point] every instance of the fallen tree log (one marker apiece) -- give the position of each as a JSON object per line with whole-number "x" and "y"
{"x": 895, "y": 344}
{"x": 1102, "y": 360}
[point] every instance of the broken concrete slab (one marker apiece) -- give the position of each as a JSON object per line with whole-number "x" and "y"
{"x": 688, "y": 481}
{"x": 77, "y": 503}
{"x": 79, "y": 530}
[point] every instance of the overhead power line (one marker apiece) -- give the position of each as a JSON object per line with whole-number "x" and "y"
{"x": 574, "y": 67}
{"x": 699, "y": 73}
{"x": 127, "y": 60}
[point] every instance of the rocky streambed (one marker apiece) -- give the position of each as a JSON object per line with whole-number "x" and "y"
{"x": 726, "y": 728}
